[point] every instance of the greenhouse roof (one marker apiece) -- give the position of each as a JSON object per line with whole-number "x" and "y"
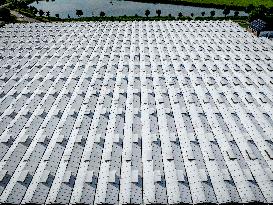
{"x": 135, "y": 112}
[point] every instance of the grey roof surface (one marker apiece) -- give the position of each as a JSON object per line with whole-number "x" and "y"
{"x": 135, "y": 112}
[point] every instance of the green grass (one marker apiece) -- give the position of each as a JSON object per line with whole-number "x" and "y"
{"x": 232, "y": 4}
{"x": 243, "y": 24}
{"x": 239, "y": 3}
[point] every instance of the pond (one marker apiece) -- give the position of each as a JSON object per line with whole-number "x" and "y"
{"x": 120, "y": 8}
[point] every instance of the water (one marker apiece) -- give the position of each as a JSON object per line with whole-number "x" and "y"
{"x": 120, "y": 8}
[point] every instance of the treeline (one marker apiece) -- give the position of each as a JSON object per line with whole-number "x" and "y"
{"x": 41, "y": 15}
{"x": 147, "y": 13}
{"x": 260, "y": 12}
{"x": 6, "y": 16}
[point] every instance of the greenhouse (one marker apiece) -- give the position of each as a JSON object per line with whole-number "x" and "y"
{"x": 148, "y": 112}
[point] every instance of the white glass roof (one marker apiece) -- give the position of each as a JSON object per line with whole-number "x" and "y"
{"x": 135, "y": 112}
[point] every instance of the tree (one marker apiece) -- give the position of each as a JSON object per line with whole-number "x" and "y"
{"x": 262, "y": 9}
{"x": 57, "y": 15}
{"x": 158, "y": 12}
{"x": 270, "y": 10}
{"x": 14, "y": 3}
{"x": 236, "y": 13}
{"x": 203, "y": 13}
{"x": 180, "y": 15}
{"x": 147, "y": 13}
{"x": 31, "y": 8}
{"x": 249, "y": 8}
{"x": 48, "y": 14}
{"x": 79, "y": 13}
{"x": 35, "y": 11}
{"x": 254, "y": 15}
{"x": 22, "y": 4}
{"x": 257, "y": 13}
{"x": 212, "y": 13}
{"x": 41, "y": 12}
{"x": 226, "y": 12}
{"x": 5, "y": 14}
{"x": 102, "y": 14}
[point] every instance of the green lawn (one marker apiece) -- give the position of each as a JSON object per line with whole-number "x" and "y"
{"x": 240, "y": 3}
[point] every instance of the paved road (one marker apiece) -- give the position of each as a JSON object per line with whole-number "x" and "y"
{"x": 19, "y": 16}
{"x": 23, "y": 18}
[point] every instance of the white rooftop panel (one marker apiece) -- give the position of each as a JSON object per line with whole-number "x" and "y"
{"x": 160, "y": 112}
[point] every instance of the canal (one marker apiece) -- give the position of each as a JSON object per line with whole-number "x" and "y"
{"x": 121, "y": 8}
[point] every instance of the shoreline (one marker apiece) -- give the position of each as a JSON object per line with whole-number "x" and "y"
{"x": 132, "y": 18}
{"x": 193, "y": 4}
